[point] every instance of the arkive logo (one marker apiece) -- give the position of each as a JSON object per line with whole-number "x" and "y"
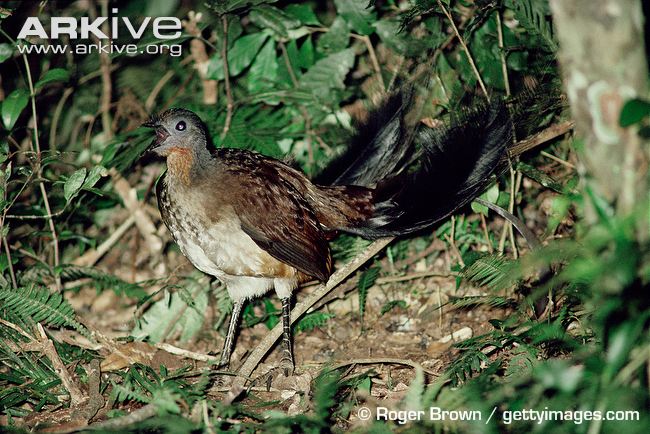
{"x": 82, "y": 28}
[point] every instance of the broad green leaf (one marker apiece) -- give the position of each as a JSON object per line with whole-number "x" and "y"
{"x": 4, "y": 151}
{"x": 328, "y": 73}
{"x": 74, "y": 183}
{"x": 228, "y": 6}
{"x": 189, "y": 319}
{"x": 264, "y": 70}
{"x": 240, "y": 56}
{"x": 357, "y": 14}
{"x": 95, "y": 174}
{"x": 388, "y": 31}
{"x": 6, "y": 50}
{"x": 336, "y": 39}
{"x": 12, "y": 106}
{"x": 541, "y": 177}
{"x": 491, "y": 195}
{"x": 634, "y": 111}
{"x": 275, "y": 20}
{"x": 53, "y": 75}
{"x": 304, "y": 13}
{"x": 306, "y": 57}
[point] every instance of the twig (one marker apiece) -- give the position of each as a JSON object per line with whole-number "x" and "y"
{"x": 76, "y": 395}
{"x": 543, "y": 136}
{"x": 486, "y": 233}
{"x": 269, "y": 340}
{"x": 451, "y": 239}
{"x": 511, "y": 209}
{"x": 46, "y": 202}
{"x": 226, "y": 75}
{"x": 9, "y": 263}
{"x": 151, "y": 99}
{"x": 201, "y": 60}
{"x": 412, "y": 276}
{"x": 303, "y": 110}
{"x": 462, "y": 43}
{"x": 373, "y": 58}
{"x": 142, "y": 413}
{"x": 57, "y": 115}
{"x": 142, "y": 220}
{"x": 105, "y": 67}
{"x": 15, "y": 328}
{"x": 558, "y": 160}
{"x": 383, "y": 361}
{"x": 91, "y": 257}
{"x": 186, "y": 353}
{"x": 504, "y": 65}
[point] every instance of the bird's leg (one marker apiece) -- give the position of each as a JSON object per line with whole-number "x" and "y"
{"x": 287, "y": 359}
{"x": 230, "y": 337}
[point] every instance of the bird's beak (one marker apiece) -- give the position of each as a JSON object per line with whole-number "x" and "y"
{"x": 161, "y": 135}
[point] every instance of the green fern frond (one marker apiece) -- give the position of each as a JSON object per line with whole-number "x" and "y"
{"x": 325, "y": 387}
{"x": 103, "y": 280}
{"x": 100, "y": 279}
{"x": 466, "y": 365}
{"x": 366, "y": 280}
{"x": 534, "y": 17}
{"x": 493, "y": 301}
{"x": 39, "y": 305}
{"x": 122, "y": 394}
{"x": 312, "y": 320}
{"x": 493, "y": 271}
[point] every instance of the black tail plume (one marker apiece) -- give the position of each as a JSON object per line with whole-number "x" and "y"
{"x": 382, "y": 147}
{"x": 453, "y": 167}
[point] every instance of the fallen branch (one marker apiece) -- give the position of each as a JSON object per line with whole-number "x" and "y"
{"x": 271, "y": 338}
{"x": 383, "y": 361}
{"x": 76, "y": 395}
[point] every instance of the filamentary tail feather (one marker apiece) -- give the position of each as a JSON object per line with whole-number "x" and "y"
{"x": 453, "y": 166}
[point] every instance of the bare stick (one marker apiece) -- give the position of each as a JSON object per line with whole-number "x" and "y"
{"x": 186, "y": 353}
{"x": 504, "y": 65}
{"x": 462, "y": 43}
{"x": 383, "y": 361}
{"x": 91, "y": 257}
{"x": 201, "y": 58}
{"x": 76, "y": 395}
{"x": 226, "y": 75}
{"x": 550, "y": 133}
{"x": 46, "y": 202}
{"x": 9, "y": 263}
{"x": 373, "y": 58}
{"x": 271, "y": 338}
{"x": 142, "y": 220}
{"x": 558, "y": 160}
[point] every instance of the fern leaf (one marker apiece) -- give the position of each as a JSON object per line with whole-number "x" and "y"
{"x": 533, "y": 16}
{"x": 493, "y": 271}
{"x": 312, "y": 320}
{"x": 366, "y": 280}
{"x": 38, "y": 304}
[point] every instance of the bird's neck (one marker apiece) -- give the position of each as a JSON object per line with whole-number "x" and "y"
{"x": 184, "y": 164}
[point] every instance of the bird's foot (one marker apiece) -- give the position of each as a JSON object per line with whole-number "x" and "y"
{"x": 221, "y": 378}
{"x": 287, "y": 366}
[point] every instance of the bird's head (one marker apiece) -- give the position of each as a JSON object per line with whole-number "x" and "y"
{"x": 177, "y": 130}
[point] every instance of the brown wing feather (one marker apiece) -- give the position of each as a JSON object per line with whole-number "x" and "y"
{"x": 276, "y": 216}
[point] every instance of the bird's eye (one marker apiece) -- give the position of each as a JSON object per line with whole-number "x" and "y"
{"x": 181, "y": 126}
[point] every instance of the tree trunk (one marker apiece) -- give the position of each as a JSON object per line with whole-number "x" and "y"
{"x": 603, "y": 61}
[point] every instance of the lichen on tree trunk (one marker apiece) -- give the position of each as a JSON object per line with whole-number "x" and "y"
{"x": 603, "y": 61}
